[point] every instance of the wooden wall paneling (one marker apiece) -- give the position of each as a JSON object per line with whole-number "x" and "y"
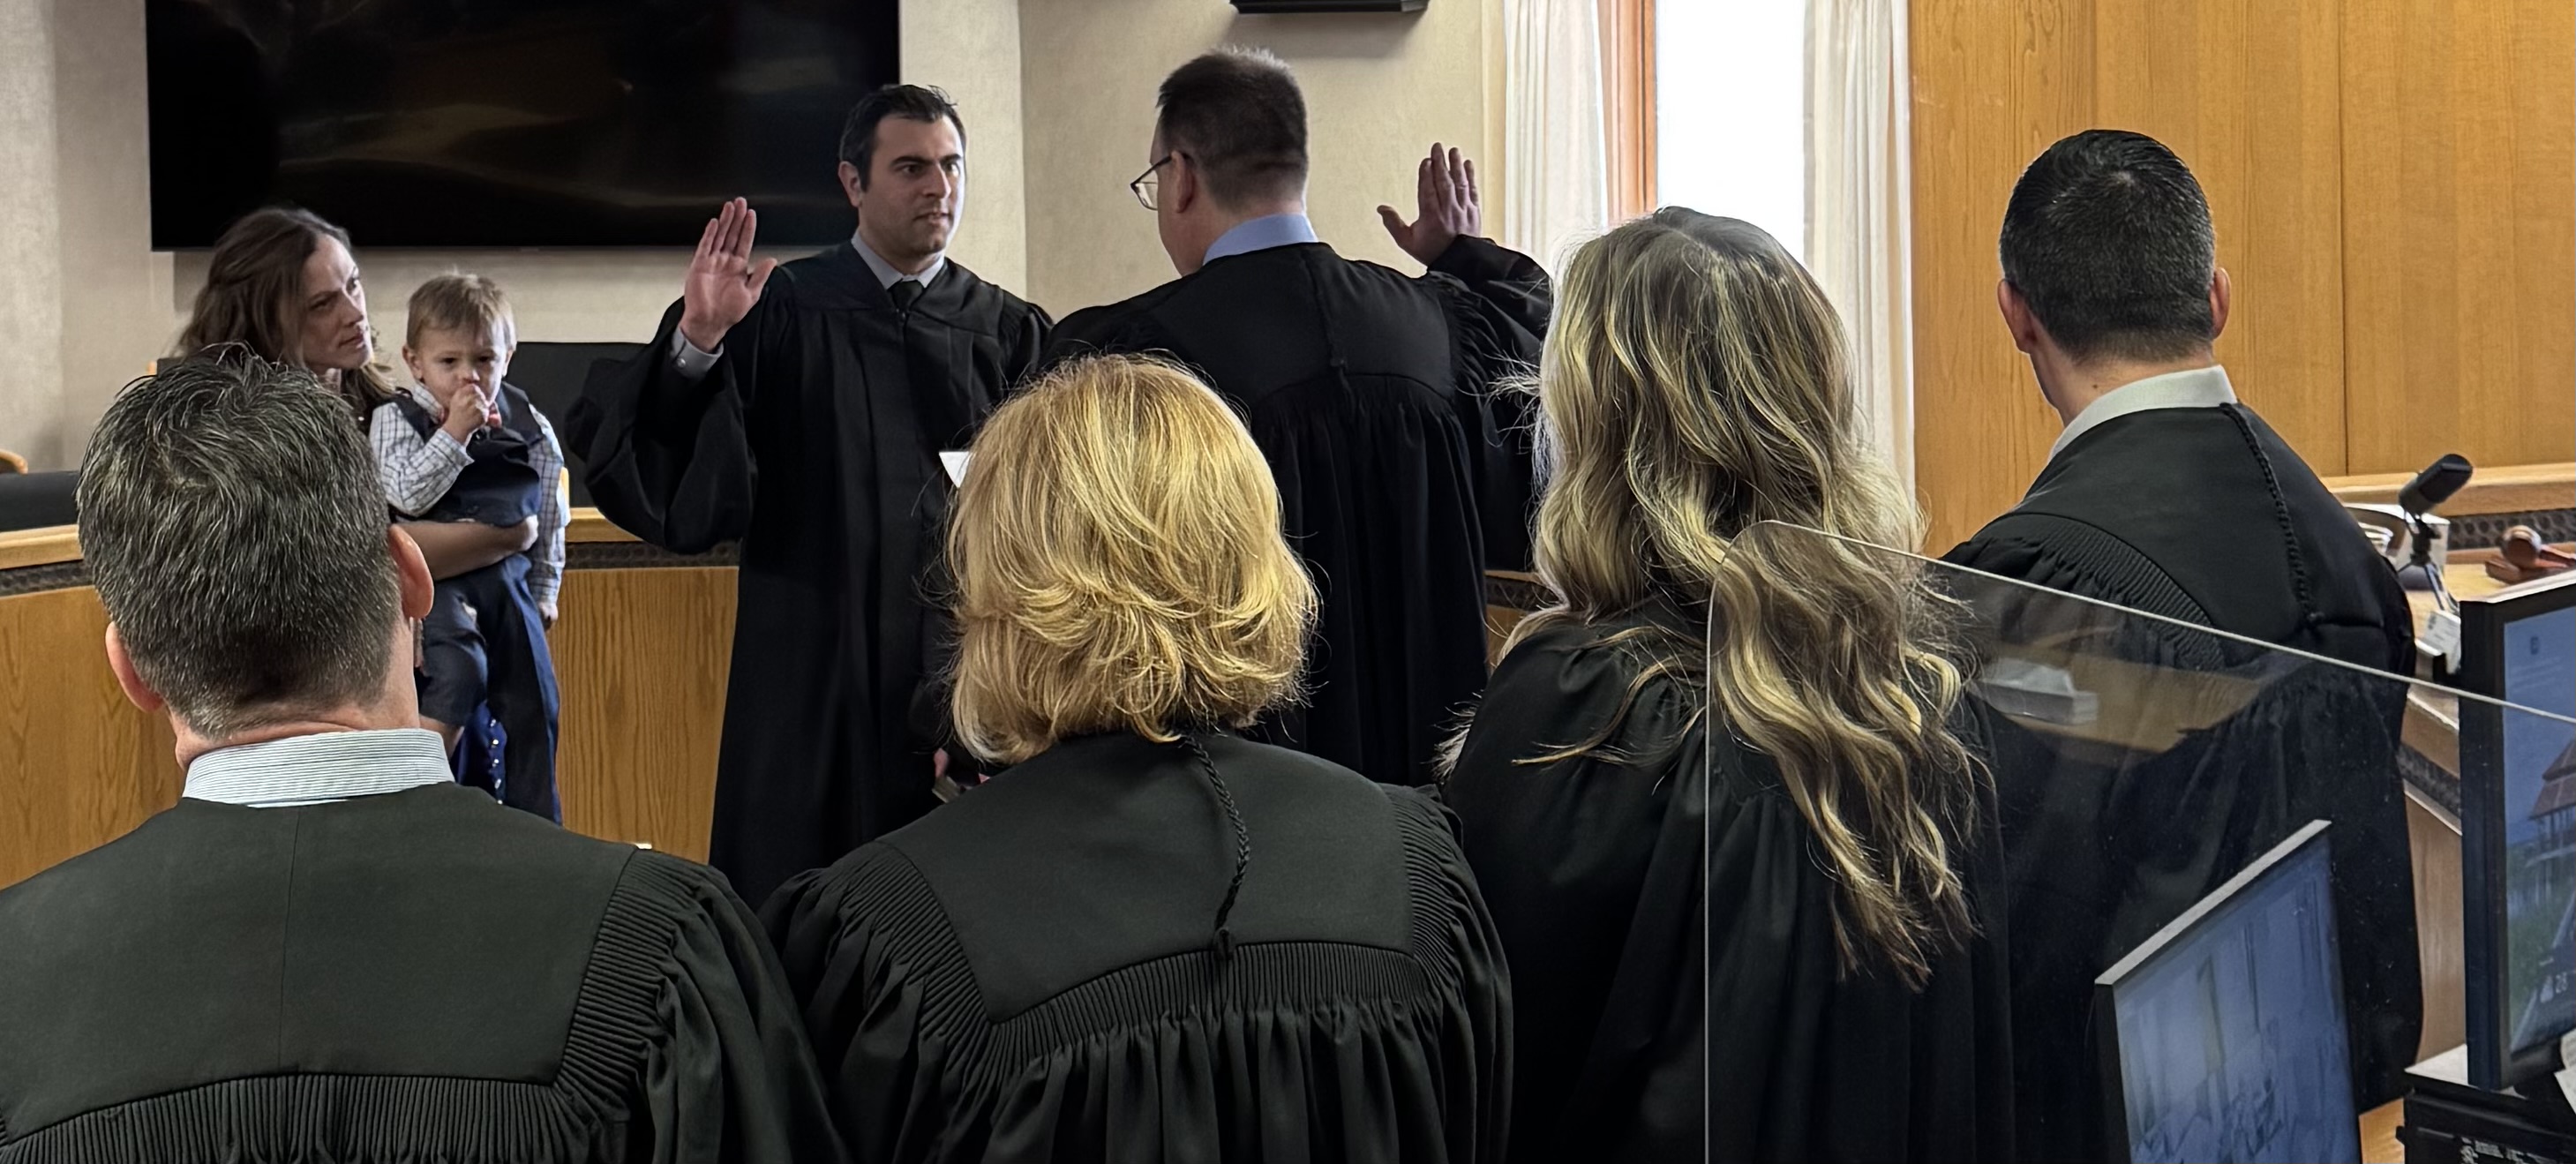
{"x": 79, "y": 766}
{"x": 2392, "y": 197}
{"x": 2540, "y": 417}
{"x": 2460, "y": 239}
{"x": 641, "y": 657}
{"x": 1993, "y": 84}
{"x": 2248, "y": 95}
{"x": 2478, "y": 130}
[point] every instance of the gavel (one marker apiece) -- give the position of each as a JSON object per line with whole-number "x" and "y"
{"x": 2522, "y": 556}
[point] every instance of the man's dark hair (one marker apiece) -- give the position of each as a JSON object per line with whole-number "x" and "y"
{"x": 1239, "y": 116}
{"x": 920, "y": 103}
{"x": 2108, "y": 239}
{"x": 234, "y": 526}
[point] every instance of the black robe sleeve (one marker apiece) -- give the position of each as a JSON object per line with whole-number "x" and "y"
{"x": 1024, "y": 344}
{"x": 1498, "y": 302}
{"x": 670, "y": 459}
{"x": 1116, "y": 327}
{"x": 1567, "y": 854}
{"x": 863, "y": 1000}
{"x": 732, "y": 1078}
{"x": 1452, "y": 912}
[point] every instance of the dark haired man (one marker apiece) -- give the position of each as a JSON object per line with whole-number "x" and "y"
{"x": 329, "y": 949}
{"x": 2164, "y": 486}
{"x": 803, "y": 410}
{"x": 2167, "y": 494}
{"x": 1402, "y": 474}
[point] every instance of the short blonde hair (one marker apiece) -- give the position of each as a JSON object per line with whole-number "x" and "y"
{"x": 1118, "y": 565}
{"x": 460, "y": 302}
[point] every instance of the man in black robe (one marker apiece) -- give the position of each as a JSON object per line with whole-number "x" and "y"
{"x": 329, "y": 950}
{"x": 806, "y": 417}
{"x": 2166, "y": 494}
{"x": 1402, "y": 471}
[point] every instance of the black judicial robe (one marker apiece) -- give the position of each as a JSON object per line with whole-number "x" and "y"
{"x": 1670, "y": 933}
{"x": 420, "y": 975}
{"x": 1030, "y": 973}
{"x": 2205, "y": 516}
{"x": 815, "y": 442}
{"x": 1403, "y": 473}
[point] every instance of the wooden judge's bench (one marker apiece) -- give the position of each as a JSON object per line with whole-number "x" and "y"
{"x": 642, "y": 651}
{"x": 645, "y": 643}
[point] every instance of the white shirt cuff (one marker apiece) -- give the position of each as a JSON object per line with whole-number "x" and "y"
{"x": 688, "y": 361}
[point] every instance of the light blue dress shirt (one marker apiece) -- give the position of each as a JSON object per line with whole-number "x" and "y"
{"x": 1261, "y": 234}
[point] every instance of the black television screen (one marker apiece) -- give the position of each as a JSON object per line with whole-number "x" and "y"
{"x": 508, "y": 123}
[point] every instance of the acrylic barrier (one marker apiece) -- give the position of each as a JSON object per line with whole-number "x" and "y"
{"x": 2175, "y": 991}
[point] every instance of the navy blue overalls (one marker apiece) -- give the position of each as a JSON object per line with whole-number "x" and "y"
{"x": 484, "y": 643}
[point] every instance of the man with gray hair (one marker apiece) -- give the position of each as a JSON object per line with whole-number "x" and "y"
{"x": 328, "y": 949}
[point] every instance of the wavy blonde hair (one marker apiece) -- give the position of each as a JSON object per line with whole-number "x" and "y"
{"x": 1695, "y": 383}
{"x": 1118, "y": 565}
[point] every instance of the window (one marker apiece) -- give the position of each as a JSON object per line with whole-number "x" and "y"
{"x": 1729, "y": 79}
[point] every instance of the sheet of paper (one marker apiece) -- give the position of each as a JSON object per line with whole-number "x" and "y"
{"x": 955, "y": 462}
{"x": 2567, "y": 1067}
{"x": 2441, "y": 634}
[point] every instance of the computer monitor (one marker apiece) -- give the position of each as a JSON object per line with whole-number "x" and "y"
{"x": 2222, "y": 1036}
{"x": 2518, "y": 828}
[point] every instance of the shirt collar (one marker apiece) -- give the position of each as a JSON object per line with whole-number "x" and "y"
{"x": 319, "y": 768}
{"x": 887, "y": 276}
{"x": 1261, "y": 234}
{"x": 2190, "y": 388}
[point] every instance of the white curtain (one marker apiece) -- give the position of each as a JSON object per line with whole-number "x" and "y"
{"x": 1860, "y": 202}
{"x": 1556, "y": 149}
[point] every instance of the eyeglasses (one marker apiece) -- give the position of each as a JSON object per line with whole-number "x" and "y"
{"x": 1146, "y": 184}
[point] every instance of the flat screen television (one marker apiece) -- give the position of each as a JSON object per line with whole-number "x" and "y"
{"x": 2518, "y": 828}
{"x": 2222, "y": 1036}
{"x": 508, "y": 123}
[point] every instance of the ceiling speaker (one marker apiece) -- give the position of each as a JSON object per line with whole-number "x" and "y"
{"x": 1268, "y": 6}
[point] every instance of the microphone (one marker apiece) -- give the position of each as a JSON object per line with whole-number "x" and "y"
{"x": 2430, "y": 488}
{"x": 2435, "y": 484}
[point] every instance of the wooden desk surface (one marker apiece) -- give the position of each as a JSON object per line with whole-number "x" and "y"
{"x": 2379, "y": 1134}
{"x": 61, "y": 543}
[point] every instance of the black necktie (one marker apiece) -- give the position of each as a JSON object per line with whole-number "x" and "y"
{"x": 905, "y": 291}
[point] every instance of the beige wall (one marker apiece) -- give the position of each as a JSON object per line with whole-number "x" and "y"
{"x": 1379, "y": 90}
{"x": 971, "y": 48}
{"x": 86, "y": 304}
{"x": 1056, "y": 132}
{"x": 31, "y": 300}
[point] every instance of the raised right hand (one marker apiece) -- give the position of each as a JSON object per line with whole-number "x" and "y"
{"x": 724, "y": 282}
{"x": 1447, "y": 201}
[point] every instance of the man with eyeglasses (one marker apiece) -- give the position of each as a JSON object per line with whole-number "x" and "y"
{"x": 810, "y": 412}
{"x": 1402, "y": 473}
